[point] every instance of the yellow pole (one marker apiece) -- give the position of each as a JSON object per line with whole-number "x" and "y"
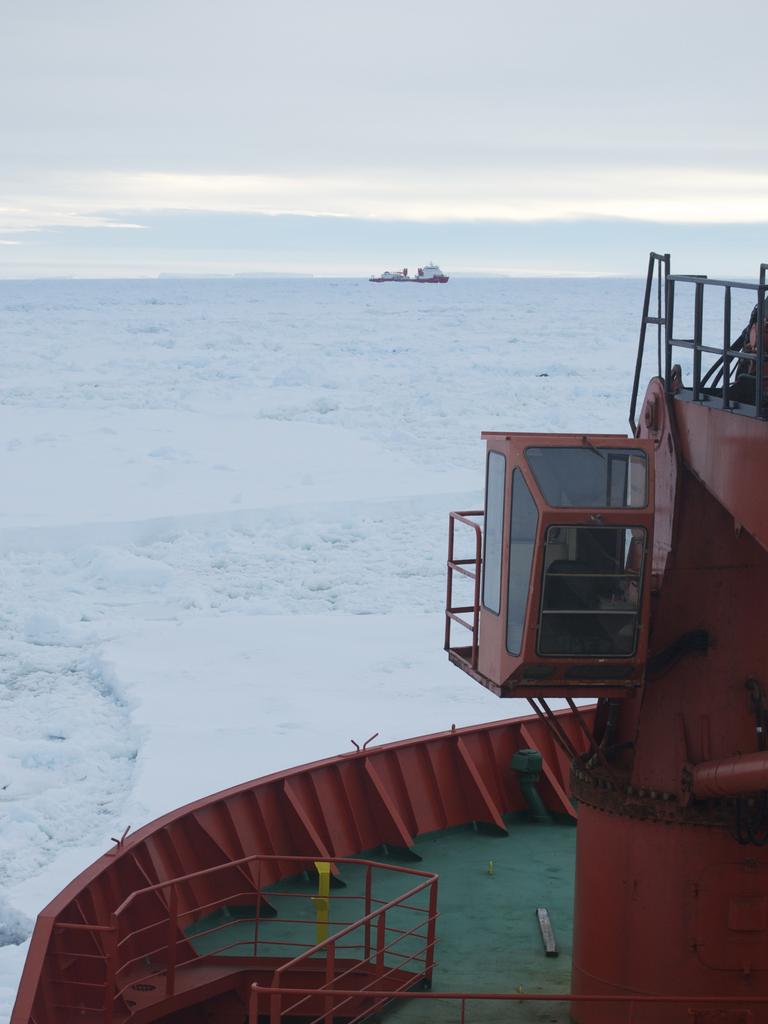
{"x": 322, "y": 900}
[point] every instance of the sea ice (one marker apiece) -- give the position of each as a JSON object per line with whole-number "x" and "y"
{"x": 223, "y": 527}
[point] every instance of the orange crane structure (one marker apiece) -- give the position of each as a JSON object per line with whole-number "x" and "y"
{"x": 635, "y": 571}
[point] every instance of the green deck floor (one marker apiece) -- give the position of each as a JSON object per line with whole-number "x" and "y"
{"x": 489, "y": 939}
{"x": 488, "y": 935}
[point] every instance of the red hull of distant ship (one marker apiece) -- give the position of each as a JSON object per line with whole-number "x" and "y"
{"x": 409, "y": 280}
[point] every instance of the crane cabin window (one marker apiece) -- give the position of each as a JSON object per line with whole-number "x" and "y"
{"x": 590, "y": 477}
{"x": 591, "y": 593}
{"x": 494, "y": 528}
{"x": 522, "y": 536}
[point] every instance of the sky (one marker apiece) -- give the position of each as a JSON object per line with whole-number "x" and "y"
{"x": 248, "y": 136}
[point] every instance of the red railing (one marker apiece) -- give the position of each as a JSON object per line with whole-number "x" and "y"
{"x": 383, "y": 965}
{"x": 269, "y": 1001}
{"x": 453, "y": 612}
{"x": 150, "y": 955}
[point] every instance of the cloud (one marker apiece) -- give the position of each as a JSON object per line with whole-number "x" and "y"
{"x": 658, "y": 194}
{"x": 32, "y": 212}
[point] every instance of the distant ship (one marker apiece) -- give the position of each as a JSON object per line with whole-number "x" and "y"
{"x": 431, "y": 274}
{"x": 392, "y": 275}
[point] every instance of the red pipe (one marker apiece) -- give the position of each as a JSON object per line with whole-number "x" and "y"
{"x": 731, "y": 776}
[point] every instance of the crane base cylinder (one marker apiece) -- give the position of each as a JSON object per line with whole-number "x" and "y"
{"x": 668, "y": 909}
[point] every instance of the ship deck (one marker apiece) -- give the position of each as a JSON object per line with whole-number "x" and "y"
{"x": 488, "y": 934}
{"x": 205, "y": 870}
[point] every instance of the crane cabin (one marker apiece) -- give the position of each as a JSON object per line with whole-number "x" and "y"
{"x": 560, "y": 564}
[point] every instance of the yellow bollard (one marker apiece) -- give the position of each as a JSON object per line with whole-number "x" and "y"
{"x": 490, "y": 867}
{"x": 322, "y": 900}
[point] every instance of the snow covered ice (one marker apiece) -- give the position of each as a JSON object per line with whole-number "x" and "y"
{"x": 223, "y": 528}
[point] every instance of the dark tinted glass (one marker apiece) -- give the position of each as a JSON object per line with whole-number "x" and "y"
{"x": 588, "y": 477}
{"x": 494, "y": 525}
{"x": 522, "y": 534}
{"x": 590, "y": 601}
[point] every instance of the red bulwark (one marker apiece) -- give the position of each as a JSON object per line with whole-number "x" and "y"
{"x": 239, "y": 841}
